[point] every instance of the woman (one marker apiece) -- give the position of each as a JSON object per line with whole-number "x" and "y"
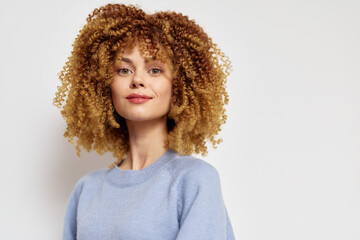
{"x": 151, "y": 89}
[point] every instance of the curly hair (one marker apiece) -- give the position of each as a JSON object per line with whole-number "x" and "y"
{"x": 199, "y": 67}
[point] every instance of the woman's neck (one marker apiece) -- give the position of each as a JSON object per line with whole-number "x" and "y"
{"x": 147, "y": 143}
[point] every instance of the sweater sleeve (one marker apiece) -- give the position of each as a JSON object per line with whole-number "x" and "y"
{"x": 202, "y": 212}
{"x": 70, "y": 223}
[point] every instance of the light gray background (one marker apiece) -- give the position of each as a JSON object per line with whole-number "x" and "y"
{"x": 289, "y": 162}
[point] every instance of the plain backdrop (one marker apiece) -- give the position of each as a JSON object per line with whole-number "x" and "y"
{"x": 289, "y": 160}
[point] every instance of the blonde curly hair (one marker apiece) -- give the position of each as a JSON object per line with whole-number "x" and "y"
{"x": 199, "y": 68}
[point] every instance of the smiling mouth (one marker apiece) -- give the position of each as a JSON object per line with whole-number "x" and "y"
{"x": 138, "y": 100}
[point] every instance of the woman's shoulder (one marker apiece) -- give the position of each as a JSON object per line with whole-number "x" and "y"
{"x": 191, "y": 168}
{"x": 92, "y": 177}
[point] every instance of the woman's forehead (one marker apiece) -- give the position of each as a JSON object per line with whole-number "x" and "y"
{"x": 149, "y": 54}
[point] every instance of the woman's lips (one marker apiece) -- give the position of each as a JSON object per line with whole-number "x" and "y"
{"x": 138, "y": 98}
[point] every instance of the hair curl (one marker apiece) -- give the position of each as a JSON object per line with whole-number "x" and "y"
{"x": 199, "y": 68}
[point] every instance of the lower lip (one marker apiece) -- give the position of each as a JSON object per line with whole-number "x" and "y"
{"x": 138, "y": 100}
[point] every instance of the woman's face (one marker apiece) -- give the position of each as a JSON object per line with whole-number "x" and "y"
{"x": 134, "y": 75}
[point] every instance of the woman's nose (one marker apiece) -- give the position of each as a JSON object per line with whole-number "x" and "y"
{"x": 138, "y": 80}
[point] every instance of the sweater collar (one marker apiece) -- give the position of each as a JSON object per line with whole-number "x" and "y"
{"x": 127, "y": 178}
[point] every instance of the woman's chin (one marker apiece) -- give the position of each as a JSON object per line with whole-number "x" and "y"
{"x": 144, "y": 119}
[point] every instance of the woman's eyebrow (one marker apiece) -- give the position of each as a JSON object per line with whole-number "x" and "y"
{"x": 128, "y": 60}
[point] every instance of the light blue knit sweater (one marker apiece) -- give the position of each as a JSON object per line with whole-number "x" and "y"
{"x": 176, "y": 197}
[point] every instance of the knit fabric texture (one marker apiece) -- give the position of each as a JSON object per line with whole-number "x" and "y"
{"x": 176, "y": 197}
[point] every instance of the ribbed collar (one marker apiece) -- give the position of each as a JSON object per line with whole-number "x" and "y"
{"x": 127, "y": 178}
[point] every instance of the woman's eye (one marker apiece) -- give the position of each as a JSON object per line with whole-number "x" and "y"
{"x": 124, "y": 71}
{"x": 155, "y": 71}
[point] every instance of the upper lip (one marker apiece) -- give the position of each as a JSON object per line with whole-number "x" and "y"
{"x": 137, "y": 95}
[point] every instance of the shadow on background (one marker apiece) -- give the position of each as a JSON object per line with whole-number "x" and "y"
{"x": 64, "y": 167}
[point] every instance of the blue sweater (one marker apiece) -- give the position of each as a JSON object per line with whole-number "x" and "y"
{"x": 176, "y": 197}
